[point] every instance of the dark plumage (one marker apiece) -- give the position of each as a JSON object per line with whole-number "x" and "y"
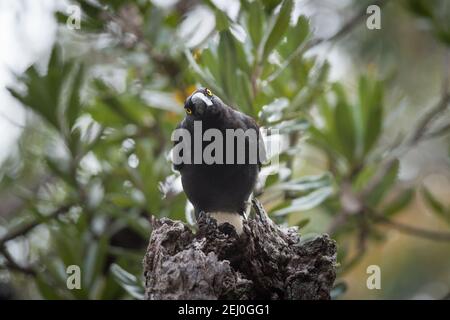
{"x": 218, "y": 187}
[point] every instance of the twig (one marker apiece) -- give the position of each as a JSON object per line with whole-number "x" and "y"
{"x": 162, "y": 61}
{"x": 418, "y": 134}
{"x": 339, "y": 220}
{"x": 13, "y": 265}
{"x": 21, "y": 231}
{"x": 10, "y": 204}
{"x": 443, "y": 129}
{"x": 11, "y": 121}
{"x": 305, "y": 46}
{"x": 351, "y": 262}
{"x": 427, "y": 119}
{"x": 353, "y": 22}
{"x": 27, "y": 227}
{"x": 414, "y": 231}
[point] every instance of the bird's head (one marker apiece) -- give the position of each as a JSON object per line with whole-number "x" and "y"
{"x": 202, "y": 103}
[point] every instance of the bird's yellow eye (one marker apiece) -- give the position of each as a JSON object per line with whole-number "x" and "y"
{"x": 208, "y": 92}
{"x": 188, "y": 111}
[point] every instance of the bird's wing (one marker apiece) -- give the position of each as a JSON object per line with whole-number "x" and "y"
{"x": 179, "y": 166}
{"x": 250, "y": 123}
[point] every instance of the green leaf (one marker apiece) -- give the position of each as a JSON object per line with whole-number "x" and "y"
{"x": 227, "y": 55}
{"x": 442, "y": 33}
{"x": 241, "y": 56}
{"x": 438, "y": 208}
{"x": 204, "y": 76}
{"x": 422, "y": 8}
{"x": 55, "y": 95}
{"x": 94, "y": 261}
{"x": 42, "y": 94}
{"x": 255, "y": 22}
{"x": 128, "y": 282}
{"x": 278, "y": 30}
{"x": 46, "y": 290}
{"x": 338, "y": 290}
{"x": 385, "y": 185}
{"x": 306, "y": 183}
{"x": 244, "y": 96}
{"x": 290, "y": 126}
{"x": 209, "y": 60}
{"x": 303, "y": 223}
{"x": 221, "y": 20}
{"x": 371, "y": 110}
{"x": 307, "y": 202}
{"x": 326, "y": 111}
{"x": 295, "y": 36}
{"x": 60, "y": 169}
{"x": 399, "y": 203}
{"x": 345, "y": 127}
{"x": 270, "y": 5}
{"x": 73, "y": 103}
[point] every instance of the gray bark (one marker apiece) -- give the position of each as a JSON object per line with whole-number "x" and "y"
{"x": 265, "y": 262}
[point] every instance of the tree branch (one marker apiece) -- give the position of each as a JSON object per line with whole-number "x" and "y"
{"x": 352, "y": 23}
{"x": 27, "y": 227}
{"x": 418, "y": 134}
{"x": 11, "y": 263}
{"x": 411, "y": 230}
{"x": 305, "y": 46}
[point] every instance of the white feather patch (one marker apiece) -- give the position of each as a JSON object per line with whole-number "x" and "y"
{"x": 202, "y": 97}
{"x": 233, "y": 218}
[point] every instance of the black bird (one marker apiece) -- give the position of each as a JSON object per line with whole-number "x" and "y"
{"x": 221, "y": 189}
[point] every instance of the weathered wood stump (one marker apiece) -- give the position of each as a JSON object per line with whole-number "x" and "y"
{"x": 265, "y": 262}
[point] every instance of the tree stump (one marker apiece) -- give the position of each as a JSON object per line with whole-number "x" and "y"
{"x": 264, "y": 262}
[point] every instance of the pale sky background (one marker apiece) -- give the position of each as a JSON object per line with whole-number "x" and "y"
{"x": 27, "y": 31}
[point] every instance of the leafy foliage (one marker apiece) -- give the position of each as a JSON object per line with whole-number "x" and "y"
{"x": 106, "y": 154}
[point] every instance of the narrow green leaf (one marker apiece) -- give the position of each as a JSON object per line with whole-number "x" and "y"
{"x": 297, "y": 125}
{"x": 307, "y": 202}
{"x": 438, "y": 208}
{"x": 306, "y": 183}
{"x": 94, "y": 261}
{"x": 205, "y": 77}
{"x": 399, "y": 203}
{"x": 244, "y": 93}
{"x": 338, "y": 290}
{"x": 303, "y": 223}
{"x": 221, "y": 20}
{"x": 209, "y": 60}
{"x": 255, "y": 22}
{"x": 384, "y": 186}
{"x": 73, "y": 103}
{"x": 422, "y": 8}
{"x": 371, "y": 111}
{"x": 46, "y": 290}
{"x": 295, "y": 36}
{"x": 344, "y": 126}
{"x": 278, "y": 30}
{"x": 128, "y": 282}
{"x": 228, "y": 64}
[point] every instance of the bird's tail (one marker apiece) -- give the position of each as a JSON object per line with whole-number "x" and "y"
{"x": 236, "y": 219}
{"x": 233, "y": 218}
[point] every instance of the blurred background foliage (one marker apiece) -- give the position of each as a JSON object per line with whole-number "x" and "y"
{"x": 362, "y": 116}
